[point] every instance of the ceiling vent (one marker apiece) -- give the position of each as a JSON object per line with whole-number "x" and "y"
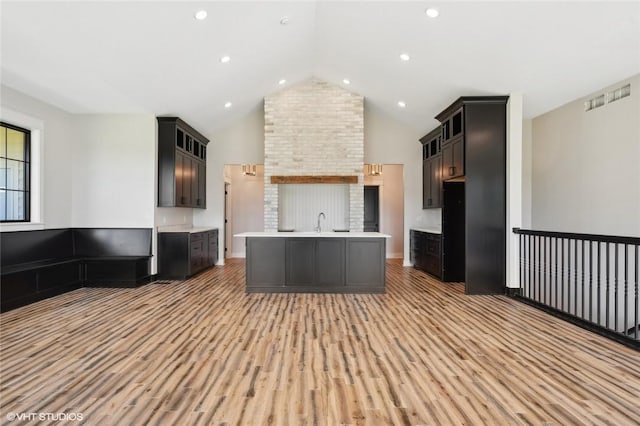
{"x": 619, "y": 93}
{"x": 594, "y": 103}
{"x": 612, "y": 96}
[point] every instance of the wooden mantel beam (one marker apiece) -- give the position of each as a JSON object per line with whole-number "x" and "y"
{"x": 314, "y": 179}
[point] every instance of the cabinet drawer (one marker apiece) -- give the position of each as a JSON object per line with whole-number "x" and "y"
{"x": 432, "y": 265}
{"x": 197, "y": 237}
{"x": 433, "y": 247}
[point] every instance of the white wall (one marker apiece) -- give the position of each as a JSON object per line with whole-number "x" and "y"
{"x": 113, "y": 171}
{"x": 57, "y": 142}
{"x": 585, "y": 175}
{"x": 240, "y": 142}
{"x": 527, "y": 163}
{"x": 391, "y": 206}
{"x": 387, "y": 140}
{"x": 246, "y": 198}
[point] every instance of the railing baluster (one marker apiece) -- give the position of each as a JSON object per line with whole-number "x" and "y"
{"x": 551, "y": 271}
{"x": 590, "y": 280}
{"x": 537, "y": 244}
{"x": 555, "y": 271}
{"x": 626, "y": 288}
{"x": 615, "y": 284}
{"x": 635, "y": 323}
{"x": 575, "y": 275}
{"x": 544, "y": 270}
{"x": 530, "y": 257}
{"x": 582, "y": 278}
{"x": 608, "y": 272}
{"x": 598, "y": 285}
{"x": 562, "y": 274}
{"x": 521, "y": 261}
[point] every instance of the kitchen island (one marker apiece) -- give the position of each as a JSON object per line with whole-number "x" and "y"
{"x": 315, "y": 262}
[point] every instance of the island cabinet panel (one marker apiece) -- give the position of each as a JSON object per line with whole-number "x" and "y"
{"x": 364, "y": 268}
{"x": 330, "y": 262}
{"x": 265, "y": 265}
{"x": 315, "y": 264}
{"x": 301, "y": 261}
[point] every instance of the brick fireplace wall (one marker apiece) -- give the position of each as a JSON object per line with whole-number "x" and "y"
{"x": 314, "y": 128}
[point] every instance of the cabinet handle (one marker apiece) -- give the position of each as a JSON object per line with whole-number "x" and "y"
{"x": 452, "y": 170}
{"x": 182, "y": 200}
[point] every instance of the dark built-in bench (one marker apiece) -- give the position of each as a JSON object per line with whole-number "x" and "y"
{"x": 36, "y": 265}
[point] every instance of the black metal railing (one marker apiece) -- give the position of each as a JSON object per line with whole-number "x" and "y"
{"x": 590, "y": 279}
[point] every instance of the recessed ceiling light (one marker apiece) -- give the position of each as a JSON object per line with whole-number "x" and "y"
{"x": 228, "y": 105}
{"x": 401, "y": 104}
{"x": 225, "y": 59}
{"x": 284, "y": 20}
{"x": 281, "y": 82}
{"x": 346, "y": 81}
{"x": 405, "y": 57}
{"x": 432, "y": 12}
{"x": 200, "y": 15}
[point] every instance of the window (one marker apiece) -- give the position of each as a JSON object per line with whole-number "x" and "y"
{"x": 15, "y": 189}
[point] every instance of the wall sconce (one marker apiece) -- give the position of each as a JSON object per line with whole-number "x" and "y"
{"x": 374, "y": 169}
{"x": 249, "y": 169}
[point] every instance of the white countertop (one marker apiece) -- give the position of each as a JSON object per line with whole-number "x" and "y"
{"x": 428, "y": 230}
{"x": 313, "y": 234}
{"x": 183, "y": 229}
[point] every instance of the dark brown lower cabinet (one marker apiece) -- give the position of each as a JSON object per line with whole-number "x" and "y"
{"x": 183, "y": 254}
{"x": 426, "y": 252}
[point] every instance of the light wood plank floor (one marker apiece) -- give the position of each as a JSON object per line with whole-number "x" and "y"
{"x": 204, "y": 352}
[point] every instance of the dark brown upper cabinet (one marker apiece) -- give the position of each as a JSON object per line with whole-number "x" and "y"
{"x": 453, "y": 159}
{"x": 431, "y": 170}
{"x": 182, "y": 155}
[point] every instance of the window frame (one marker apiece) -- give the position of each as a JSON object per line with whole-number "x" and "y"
{"x": 27, "y": 174}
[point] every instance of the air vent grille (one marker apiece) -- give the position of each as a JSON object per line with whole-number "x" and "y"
{"x": 612, "y": 96}
{"x": 594, "y": 103}
{"x": 619, "y": 93}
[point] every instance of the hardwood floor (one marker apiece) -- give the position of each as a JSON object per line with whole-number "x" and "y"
{"x": 204, "y": 352}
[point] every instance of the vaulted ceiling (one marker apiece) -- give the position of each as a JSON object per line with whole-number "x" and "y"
{"x": 153, "y": 56}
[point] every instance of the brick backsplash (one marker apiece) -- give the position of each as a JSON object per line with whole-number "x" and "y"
{"x": 314, "y": 128}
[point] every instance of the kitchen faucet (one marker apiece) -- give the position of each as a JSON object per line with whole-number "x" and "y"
{"x": 318, "y": 228}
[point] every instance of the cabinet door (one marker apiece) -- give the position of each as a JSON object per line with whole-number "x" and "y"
{"x": 447, "y": 161}
{"x": 458, "y": 157}
{"x": 180, "y": 200}
{"x": 330, "y": 262}
{"x": 196, "y": 253}
{"x": 436, "y": 181}
{"x": 426, "y": 184}
{"x": 184, "y": 177}
{"x": 453, "y": 159}
{"x": 300, "y": 255}
{"x": 212, "y": 253}
{"x": 201, "y": 196}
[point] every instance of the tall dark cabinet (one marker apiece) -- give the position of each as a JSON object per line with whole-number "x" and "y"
{"x": 182, "y": 164}
{"x": 474, "y": 145}
{"x": 464, "y": 173}
{"x": 431, "y": 170}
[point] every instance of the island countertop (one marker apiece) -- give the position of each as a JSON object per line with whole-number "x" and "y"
{"x": 313, "y": 234}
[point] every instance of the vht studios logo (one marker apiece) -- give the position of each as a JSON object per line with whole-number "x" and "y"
{"x": 57, "y": 417}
